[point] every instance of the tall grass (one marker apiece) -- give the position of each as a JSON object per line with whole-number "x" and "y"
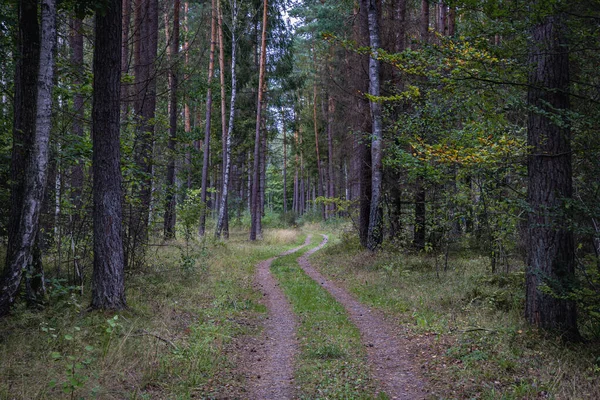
{"x": 170, "y": 343}
{"x": 466, "y": 324}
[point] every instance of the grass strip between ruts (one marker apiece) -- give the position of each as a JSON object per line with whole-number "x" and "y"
{"x": 332, "y": 361}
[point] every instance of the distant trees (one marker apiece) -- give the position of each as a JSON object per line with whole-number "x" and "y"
{"x": 424, "y": 123}
{"x": 255, "y": 201}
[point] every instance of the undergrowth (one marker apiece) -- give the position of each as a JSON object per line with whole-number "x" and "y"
{"x": 467, "y": 325}
{"x": 171, "y": 341}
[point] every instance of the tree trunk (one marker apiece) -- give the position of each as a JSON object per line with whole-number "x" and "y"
{"x": 255, "y": 212}
{"x": 283, "y": 128}
{"x": 223, "y": 213}
{"x": 108, "y": 289}
{"x": 187, "y": 125}
{"x": 424, "y": 25}
{"x": 420, "y": 194}
{"x": 146, "y": 45}
{"x": 125, "y": 62}
{"x": 420, "y": 217}
{"x": 363, "y": 129}
{"x": 38, "y": 97}
{"x": 77, "y": 173}
{"x": 551, "y": 256}
{"x": 375, "y": 234}
{"x": 316, "y": 129}
{"x": 206, "y": 158}
{"x": 171, "y": 189}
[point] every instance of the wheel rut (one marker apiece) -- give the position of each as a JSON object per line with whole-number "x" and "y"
{"x": 388, "y": 355}
{"x": 269, "y": 364}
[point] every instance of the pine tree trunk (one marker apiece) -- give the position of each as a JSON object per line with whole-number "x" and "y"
{"x": 551, "y": 249}
{"x": 207, "y": 122}
{"x": 125, "y": 62}
{"x": 285, "y": 200}
{"x": 424, "y": 23}
{"x": 420, "y": 216}
{"x": 146, "y": 45}
{"x": 187, "y": 116}
{"x": 108, "y": 288}
{"x": 420, "y": 224}
{"x": 77, "y": 173}
{"x": 331, "y": 178}
{"x": 256, "y": 212}
{"x": 171, "y": 190}
{"x": 316, "y": 129}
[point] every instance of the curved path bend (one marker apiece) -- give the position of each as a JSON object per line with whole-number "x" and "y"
{"x": 388, "y": 355}
{"x": 270, "y": 369}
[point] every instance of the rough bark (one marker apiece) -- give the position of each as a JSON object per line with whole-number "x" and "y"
{"x": 285, "y": 200}
{"x": 146, "y": 45}
{"x": 223, "y": 213}
{"x": 187, "y": 115}
{"x": 363, "y": 130}
{"x": 207, "y": 121}
{"x": 316, "y": 129}
{"x": 33, "y": 89}
{"x": 375, "y": 234}
{"x": 256, "y": 212}
{"x": 171, "y": 189}
{"x": 424, "y": 23}
{"x": 551, "y": 256}
{"x": 77, "y": 173}
{"x": 420, "y": 224}
{"x": 108, "y": 289}
{"x": 125, "y": 62}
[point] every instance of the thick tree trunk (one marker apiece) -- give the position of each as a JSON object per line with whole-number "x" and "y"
{"x": 375, "y": 234}
{"x": 551, "y": 256}
{"x": 223, "y": 212}
{"x": 108, "y": 289}
{"x": 34, "y": 90}
{"x": 171, "y": 189}
{"x": 256, "y": 212}
{"x": 146, "y": 45}
{"x": 207, "y": 122}
{"x": 25, "y": 106}
{"x": 331, "y": 177}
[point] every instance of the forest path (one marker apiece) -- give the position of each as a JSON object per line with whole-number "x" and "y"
{"x": 268, "y": 362}
{"x": 388, "y": 354}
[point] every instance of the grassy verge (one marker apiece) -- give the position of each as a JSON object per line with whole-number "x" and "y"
{"x": 466, "y": 325}
{"x": 332, "y": 361}
{"x": 185, "y": 306}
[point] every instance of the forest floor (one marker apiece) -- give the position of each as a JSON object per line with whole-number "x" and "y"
{"x": 288, "y": 317}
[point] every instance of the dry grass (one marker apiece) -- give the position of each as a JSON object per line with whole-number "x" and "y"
{"x": 185, "y": 306}
{"x": 467, "y": 326}
{"x": 281, "y": 236}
